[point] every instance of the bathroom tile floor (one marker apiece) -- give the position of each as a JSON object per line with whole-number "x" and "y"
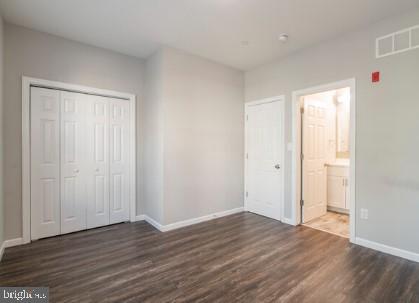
{"x": 334, "y": 223}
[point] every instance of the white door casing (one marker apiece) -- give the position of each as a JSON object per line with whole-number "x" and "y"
{"x": 119, "y": 160}
{"x": 296, "y": 169}
{"x": 45, "y": 162}
{"x": 98, "y": 161}
{"x": 264, "y": 158}
{"x": 73, "y": 162}
{"x": 314, "y": 145}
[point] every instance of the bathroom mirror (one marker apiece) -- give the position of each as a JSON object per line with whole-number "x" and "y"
{"x": 342, "y": 100}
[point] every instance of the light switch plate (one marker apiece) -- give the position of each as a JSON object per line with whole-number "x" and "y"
{"x": 364, "y": 213}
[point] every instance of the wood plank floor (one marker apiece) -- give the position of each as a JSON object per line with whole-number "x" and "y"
{"x": 240, "y": 258}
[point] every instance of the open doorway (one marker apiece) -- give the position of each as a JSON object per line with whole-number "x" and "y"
{"x": 324, "y": 142}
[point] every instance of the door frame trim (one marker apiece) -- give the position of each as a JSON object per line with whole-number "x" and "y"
{"x": 296, "y": 141}
{"x": 281, "y": 99}
{"x": 27, "y": 83}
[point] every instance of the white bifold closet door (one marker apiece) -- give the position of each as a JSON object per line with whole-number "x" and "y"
{"x": 79, "y": 161}
{"x": 98, "y": 161}
{"x": 73, "y": 162}
{"x": 45, "y": 163}
{"x": 119, "y": 160}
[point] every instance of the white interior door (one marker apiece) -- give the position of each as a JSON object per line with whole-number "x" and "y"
{"x": 98, "y": 161}
{"x": 45, "y": 162}
{"x": 119, "y": 161}
{"x": 73, "y": 162}
{"x": 314, "y": 144}
{"x": 264, "y": 147}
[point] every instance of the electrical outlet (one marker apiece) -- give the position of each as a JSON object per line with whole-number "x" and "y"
{"x": 364, "y": 213}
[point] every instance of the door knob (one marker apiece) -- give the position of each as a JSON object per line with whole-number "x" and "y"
{"x": 76, "y": 170}
{"x": 277, "y": 166}
{"x": 97, "y": 169}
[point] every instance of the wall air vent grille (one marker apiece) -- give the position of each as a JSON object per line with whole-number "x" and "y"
{"x": 398, "y": 42}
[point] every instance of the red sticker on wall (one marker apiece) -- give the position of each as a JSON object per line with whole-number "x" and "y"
{"x": 375, "y": 77}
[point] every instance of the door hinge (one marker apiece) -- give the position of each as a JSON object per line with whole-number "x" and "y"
{"x": 247, "y": 117}
{"x": 247, "y": 194}
{"x": 302, "y": 202}
{"x": 302, "y": 157}
{"x": 247, "y": 156}
{"x": 302, "y": 110}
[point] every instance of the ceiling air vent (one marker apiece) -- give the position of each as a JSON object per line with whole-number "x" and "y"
{"x": 397, "y": 42}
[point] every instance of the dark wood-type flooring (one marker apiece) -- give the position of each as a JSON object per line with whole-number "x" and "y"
{"x": 239, "y": 258}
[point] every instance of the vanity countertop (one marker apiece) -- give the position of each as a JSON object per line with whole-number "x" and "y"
{"x": 340, "y": 163}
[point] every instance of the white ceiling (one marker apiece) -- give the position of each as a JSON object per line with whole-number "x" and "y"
{"x": 214, "y": 29}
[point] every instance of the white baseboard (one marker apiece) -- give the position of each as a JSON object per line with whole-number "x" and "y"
{"x": 149, "y": 220}
{"x": 388, "y": 249}
{"x": 284, "y": 220}
{"x": 193, "y": 221}
{"x": 13, "y": 242}
{"x": 180, "y": 224}
{"x": 338, "y": 210}
{"x": 288, "y": 221}
{"x": 153, "y": 222}
{"x": 139, "y": 218}
{"x": 9, "y": 243}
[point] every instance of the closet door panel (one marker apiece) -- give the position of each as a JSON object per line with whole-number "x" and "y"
{"x": 98, "y": 159}
{"x": 45, "y": 163}
{"x": 119, "y": 160}
{"x": 80, "y": 161}
{"x": 73, "y": 170}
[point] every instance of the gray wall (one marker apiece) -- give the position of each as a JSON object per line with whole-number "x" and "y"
{"x": 387, "y": 124}
{"x": 40, "y": 55}
{"x": 197, "y": 128}
{"x": 192, "y": 116}
{"x": 203, "y": 137}
{"x": 153, "y": 137}
{"x": 2, "y": 145}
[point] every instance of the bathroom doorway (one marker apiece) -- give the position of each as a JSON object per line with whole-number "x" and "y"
{"x": 324, "y": 144}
